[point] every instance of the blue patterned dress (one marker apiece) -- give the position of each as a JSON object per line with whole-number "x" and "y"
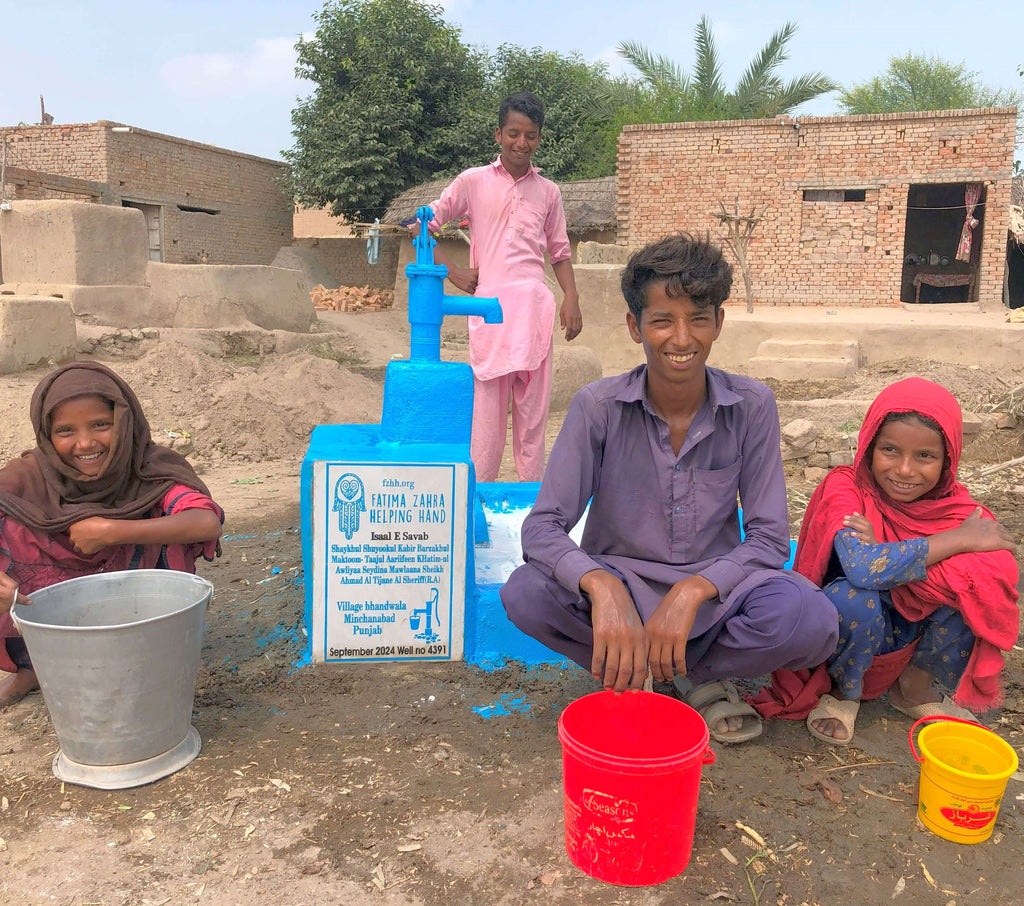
{"x": 861, "y": 576}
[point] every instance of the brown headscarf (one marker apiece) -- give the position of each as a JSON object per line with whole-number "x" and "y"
{"x": 40, "y": 490}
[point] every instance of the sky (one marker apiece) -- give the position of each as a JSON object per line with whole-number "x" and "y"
{"x": 222, "y": 72}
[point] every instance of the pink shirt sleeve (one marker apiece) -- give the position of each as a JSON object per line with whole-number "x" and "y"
{"x": 180, "y": 498}
{"x": 555, "y": 232}
{"x": 452, "y": 205}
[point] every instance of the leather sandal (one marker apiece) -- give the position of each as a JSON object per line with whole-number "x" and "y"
{"x": 718, "y": 701}
{"x": 945, "y": 708}
{"x": 841, "y": 709}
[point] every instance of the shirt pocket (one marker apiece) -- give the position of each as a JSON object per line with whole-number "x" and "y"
{"x": 529, "y": 219}
{"x": 715, "y": 497}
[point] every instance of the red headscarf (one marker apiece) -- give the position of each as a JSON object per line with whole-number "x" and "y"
{"x": 982, "y": 586}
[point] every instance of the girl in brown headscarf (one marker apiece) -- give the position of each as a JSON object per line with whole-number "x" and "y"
{"x": 95, "y": 495}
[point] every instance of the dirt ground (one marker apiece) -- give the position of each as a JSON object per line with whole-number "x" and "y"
{"x": 384, "y": 783}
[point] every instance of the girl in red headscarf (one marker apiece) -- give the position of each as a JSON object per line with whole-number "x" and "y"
{"x": 95, "y": 495}
{"x": 924, "y": 578}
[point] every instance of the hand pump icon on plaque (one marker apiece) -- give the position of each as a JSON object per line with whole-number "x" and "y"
{"x": 427, "y": 614}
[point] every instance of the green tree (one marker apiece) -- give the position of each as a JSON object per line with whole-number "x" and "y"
{"x": 667, "y": 93}
{"x": 917, "y": 82}
{"x": 393, "y": 83}
{"x": 566, "y": 85}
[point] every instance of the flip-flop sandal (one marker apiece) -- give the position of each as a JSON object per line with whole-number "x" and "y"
{"x": 843, "y": 710}
{"x": 945, "y": 708}
{"x": 718, "y": 701}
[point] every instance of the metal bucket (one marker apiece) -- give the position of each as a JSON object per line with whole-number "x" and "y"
{"x": 117, "y": 656}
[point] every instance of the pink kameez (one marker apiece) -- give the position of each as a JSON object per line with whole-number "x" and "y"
{"x": 512, "y": 223}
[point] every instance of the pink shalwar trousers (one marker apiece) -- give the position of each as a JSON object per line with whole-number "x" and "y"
{"x": 530, "y": 393}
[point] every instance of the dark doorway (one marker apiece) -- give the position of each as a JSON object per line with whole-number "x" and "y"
{"x": 1014, "y": 274}
{"x": 935, "y": 218}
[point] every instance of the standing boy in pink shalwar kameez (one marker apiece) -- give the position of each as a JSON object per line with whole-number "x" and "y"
{"x": 515, "y": 215}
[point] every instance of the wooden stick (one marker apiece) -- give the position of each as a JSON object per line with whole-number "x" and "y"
{"x": 859, "y": 764}
{"x": 988, "y": 470}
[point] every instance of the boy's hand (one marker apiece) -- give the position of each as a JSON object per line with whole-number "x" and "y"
{"x": 668, "y": 629}
{"x": 465, "y": 278}
{"x": 861, "y": 528}
{"x": 570, "y": 317}
{"x": 92, "y": 534}
{"x": 620, "y": 650}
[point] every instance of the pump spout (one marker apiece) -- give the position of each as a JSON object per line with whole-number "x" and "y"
{"x": 488, "y": 309}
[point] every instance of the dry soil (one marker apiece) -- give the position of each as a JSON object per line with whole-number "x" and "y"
{"x": 385, "y": 783}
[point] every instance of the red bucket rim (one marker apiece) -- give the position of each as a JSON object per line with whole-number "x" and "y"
{"x": 643, "y": 762}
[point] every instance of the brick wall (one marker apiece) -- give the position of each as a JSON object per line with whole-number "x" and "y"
{"x": 345, "y": 259}
{"x": 68, "y": 150}
{"x": 672, "y": 176}
{"x": 221, "y": 206}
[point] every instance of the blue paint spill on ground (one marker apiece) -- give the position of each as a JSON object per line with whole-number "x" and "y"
{"x": 280, "y": 633}
{"x": 507, "y": 704}
{"x": 293, "y": 636}
{"x": 492, "y": 661}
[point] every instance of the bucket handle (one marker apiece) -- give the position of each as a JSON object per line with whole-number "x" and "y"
{"x": 708, "y": 757}
{"x": 921, "y": 720}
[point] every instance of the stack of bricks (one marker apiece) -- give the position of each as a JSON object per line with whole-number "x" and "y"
{"x": 818, "y": 252}
{"x": 351, "y": 298}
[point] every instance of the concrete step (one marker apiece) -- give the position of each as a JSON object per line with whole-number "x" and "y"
{"x": 815, "y": 349}
{"x": 805, "y": 360}
{"x": 806, "y": 368}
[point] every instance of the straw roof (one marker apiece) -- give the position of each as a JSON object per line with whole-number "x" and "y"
{"x": 1017, "y": 189}
{"x": 589, "y": 203}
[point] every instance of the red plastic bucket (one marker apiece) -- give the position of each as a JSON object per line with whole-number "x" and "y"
{"x": 631, "y": 766}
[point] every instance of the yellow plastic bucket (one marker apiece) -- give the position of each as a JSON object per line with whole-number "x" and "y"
{"x": 964, "y": 769}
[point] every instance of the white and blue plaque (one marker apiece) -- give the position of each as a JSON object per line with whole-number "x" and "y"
{"x": 389, "y": 561}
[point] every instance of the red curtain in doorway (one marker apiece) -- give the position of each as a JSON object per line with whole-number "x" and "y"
{"x": 971, "y": 196}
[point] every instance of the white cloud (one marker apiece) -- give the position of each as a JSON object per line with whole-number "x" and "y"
{"x": 616, "y": 63}
{"x": 268, "y": 66}
{"x": 450, "y": 6}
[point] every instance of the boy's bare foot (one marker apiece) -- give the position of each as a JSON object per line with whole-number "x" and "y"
{"x": 15, "y": 686}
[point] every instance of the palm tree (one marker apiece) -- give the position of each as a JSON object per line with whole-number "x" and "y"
{"x": 666, "y": 93}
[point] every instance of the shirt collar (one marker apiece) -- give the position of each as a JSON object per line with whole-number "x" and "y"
{"x": 719, "y": 392}
{"x": 496, "y": 163}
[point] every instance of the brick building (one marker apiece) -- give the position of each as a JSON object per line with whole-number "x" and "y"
{"x": 862, "y": 210}
{"x": 202, "y": 204}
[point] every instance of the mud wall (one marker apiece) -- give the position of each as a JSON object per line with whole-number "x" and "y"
{"x": 345, "y": 259}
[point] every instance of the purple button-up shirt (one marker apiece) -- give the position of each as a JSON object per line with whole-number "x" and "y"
{"x": 657, "y": 517}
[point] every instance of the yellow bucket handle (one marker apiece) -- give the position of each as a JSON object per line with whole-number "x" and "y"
{"x": 921, "y": 720}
